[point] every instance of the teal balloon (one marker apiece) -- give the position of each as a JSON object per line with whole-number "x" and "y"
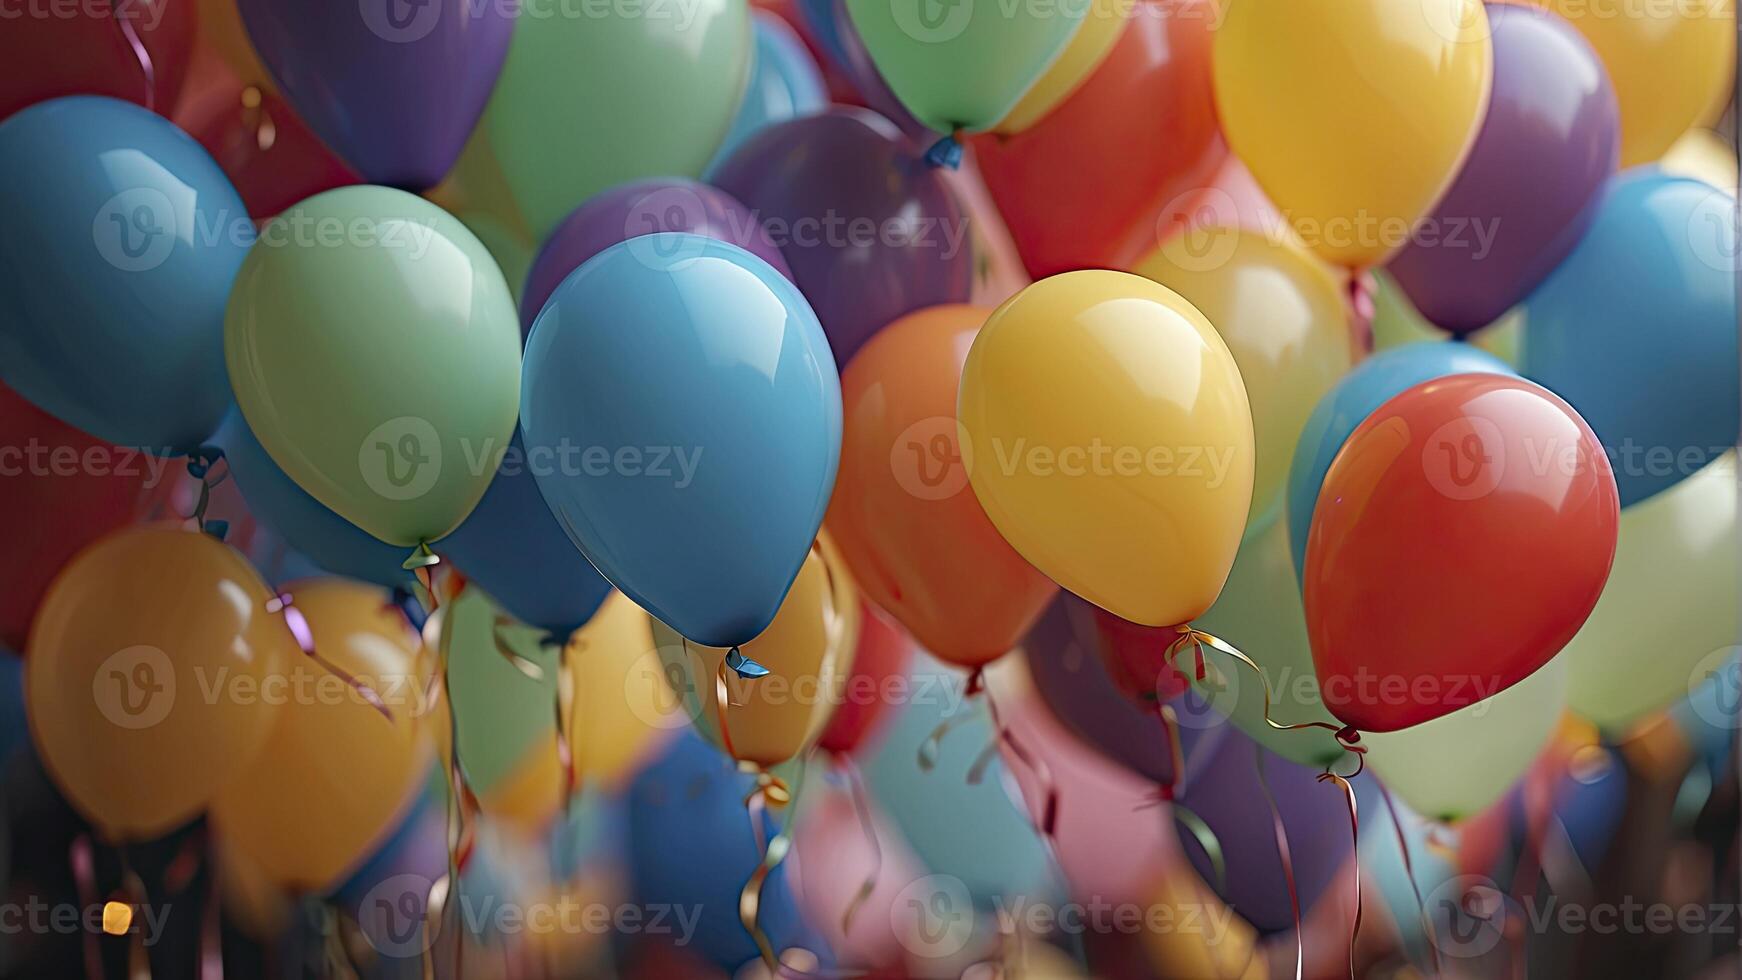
{"x": 785, "y": 83}
{"x": 1637, "y": 329}
{"x": 1374, "y": 382}
{"x": 119, "y": 240}
{"x": 683, "y": 407}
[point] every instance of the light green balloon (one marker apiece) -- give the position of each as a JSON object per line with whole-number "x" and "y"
{"x": 1668, "y": 612}
{"x": 1261, "y": 614}
{"x": 374, "y": 349}
{"x": 513, "y": 254}
{"x": 500, "y": 711}
{"x": 963, "y": 64}
{"x": 1396, "y": 322}
{"x": 588, "y": 102}
{"x": 1459, "y": 763}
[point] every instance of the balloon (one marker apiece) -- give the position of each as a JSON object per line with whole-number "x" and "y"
{"x": 633, "y": 210}
{"x": 136, "y": 51}
{"x": 512, "y": 252}
{"x": 416, "y": 850}
{"x": 1664, "y": 401}
{"x": 906, "y": 521}
{"x": 1374, "y": 382}
{"x": 768, "y": 720}
{"x": 955, "y": 68}
{"x": 1083, "y": 187}
{"x": 221, "y": 33}
{"x": 1462, "y": 536}
{"x": 699, "y": 495}
{"x": 14, "y": 730}
{"x": 330, "y": 541}
{"x": 1082, "y": 54}
{"x": 1399, "y": 882}
{"x": 1702, "y": 155}
{"x": 1531, "y": 183}
{"x": 395, "y": 95}
{"x": 1352, "y": 164}
{"x": 871, "y": 231}
{"x": 60, "y": 490}
{"x": 1234, "y": 955}
{"x": 122, "y": 241}
{"x": 829, "y": 23}
{"x": 1461, "y": 763}
{"x": 338, "y": 771}
{"x": 613, "y": 721}
{"x": 513, "y": 548}
{"x": 880, "y": 659}
{"x": 785, "y": 83}
{"x": 1128, "y": 484}
{"x": 1283, "y": 317}
{"x": 147, "y": 662}
{"x": 1397, "y": 322}
{"x": 674, "y": 82}
{"x": 406, "y": 321}
{"x": 834, "y": 857}
{"x": 1672, "y": 65}
{"x": 1668, "y": 608}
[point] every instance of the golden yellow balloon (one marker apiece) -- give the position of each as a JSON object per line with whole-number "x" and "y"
{"x": 337, "y": 772}
{"x": 1354, "y": 115}
{"x": 1702, "y": 155}
{"x": 807, "y": 649}
{"x": 221, "y": 30}
{"x": 612, "y": 721}
{"x": 141, "y": 661}
{"x": 1084, "y": 53}
{"x": 1282, "y": 314}
{"x": 1672, "y": 64}
{"x": 1111, "y": 442}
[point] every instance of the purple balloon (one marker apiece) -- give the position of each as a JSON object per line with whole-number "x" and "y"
{"x": 1529, "y": 189}
{"x": 870, "y": 230}
{"x": 393, "y": 87}
{"x": 630, "y": 211}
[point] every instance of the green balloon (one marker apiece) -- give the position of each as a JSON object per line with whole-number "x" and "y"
{"x": 963, "y": 64}
{"x": 512, "y": 253}
{"x": 1667, "y": 616}
{"x": 588, "y": 102}
{"x": 499, "y": 710}
{"x": 374, "y": 349}
{"x": 1397, "y": 322}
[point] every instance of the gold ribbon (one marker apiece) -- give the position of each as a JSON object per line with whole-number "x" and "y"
{"x": 862, "y": 805}
{"x": 769, "y": 793}
{"x": 1427, "y": 922}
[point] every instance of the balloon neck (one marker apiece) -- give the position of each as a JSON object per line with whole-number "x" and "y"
{"x": 773, "y": 791}
{"x": 202, "y": 459}
{"x": 743, "y": 666}
{"x": 421, "y": 557}
{"x": 1361, "y": 309}
{"x": 946, "y": 152}
{"x": 1460, "y": 338}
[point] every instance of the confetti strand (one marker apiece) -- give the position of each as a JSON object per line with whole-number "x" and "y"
{"x": 862, "y": 805}
{"x": 1341, "y": 781}
{"x": 1427, "y": 922}
{"x": 1282, "y": 852}
{"x": 140, "y": 53}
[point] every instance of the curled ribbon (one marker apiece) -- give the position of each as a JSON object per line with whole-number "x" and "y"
{"x": 1427, "y": 922}
{"x": 1282, "y": 852}
{"x": 305, "y": 638}
{"x": 1355, "y": 834}
{"x": 201, "y": 463}
{"x": 768, "y": 793}
{"x": 140, "y": 52}
{"x": 862, "y": 805}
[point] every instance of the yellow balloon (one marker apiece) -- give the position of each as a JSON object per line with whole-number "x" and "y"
{"x": 1108, "y": 437}
{"x": 1354, "y": 115}
{"x": 613, "y": 725}
{"x": 221, "y": 30}
{"x": 1222, "y": 946}
{"x": 807, "y": 650}
{"x": 142, "y": 662}
{"x": 1084, "y": 53}
{"x": 1702, "y": 155}
{"x": 1282, "y": 314}
{"x": 1671, "y": 64}
{"x": 336, "y": 774}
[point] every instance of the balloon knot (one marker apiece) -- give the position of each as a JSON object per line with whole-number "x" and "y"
{"x": 946, "y": 152}
{"x": 743, "y": 666}
{"x": 976, "y": 681}
{"x": 422, "y": 557}
{"x": 1348, "y": 735}
{"x": 201, "y": 460}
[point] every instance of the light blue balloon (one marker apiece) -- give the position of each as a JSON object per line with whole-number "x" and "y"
{"x": 306, "y": 524}
{"x": 119, "y": 239}
{"x": 1374, "y": 382}
{"x": 1404, "y": 895}
{"x": 687, "y": 401}
{"x": 513, "y": 548}
{"x": 1637, "y": 329}
{"x": 785, "y": 83}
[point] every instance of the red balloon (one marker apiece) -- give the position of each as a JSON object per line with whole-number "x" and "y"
{"x": 263, "y": 146}
{"x": 130, "y": 49}
{"x": 60, "y": 490}
{"x": 1461, "y": 537}
{"x": 881, "y": 657}
{"x": 1135, "y": 657}
{"x": 1127, "y": 153}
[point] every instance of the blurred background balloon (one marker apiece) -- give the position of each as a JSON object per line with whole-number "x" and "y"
{"x": 136, "y": 51}
{"x": 879, "y": 662}
{"x": 785, "y": 83}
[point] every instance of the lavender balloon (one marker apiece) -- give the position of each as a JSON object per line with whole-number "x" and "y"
{"x": 870, "y": 230}
{"x": 394, "y": 88}
{"x": 1528, "y": 191}
{"x": 630, "y": 211}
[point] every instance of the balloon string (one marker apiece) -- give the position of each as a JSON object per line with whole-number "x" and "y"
{"x": 140, "y": 52}
{"x": 769, "y": 793}
{"x": 462, "y": 812}
{"x": 83, "y": 862}
{"x": 1354, "y": 835}
{"x": 212, "y": 924}
{"x": 201, "y": 463}
{"x": 1042, "y": 773}
{"x": 421, "y": 563}
{"x": 1196, "y": 639}
{"x": 1427, "y": 922}
{"x": 1527, "y": 868}
{"x": 305, "y": 638}
{"x": 932, "y": 746}
{"x": 1282, "y": 852}
{"x": 862, "y": 806}
{"x": 565, "y": 713}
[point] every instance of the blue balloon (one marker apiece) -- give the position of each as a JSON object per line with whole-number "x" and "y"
{"x": 513, "y": 548}
{"x": 819, "y": 16}
{"x": 120, "y": 241}
{"x": 785, "y": 83}
{"x": 306, "y": 524}
{"x": 1374, "y": 382}
{"x": 1637, "y": 329}
{"x": 691, "y": 848}
{"x": 683, "y": 405}
{"x": 14, "y": 733}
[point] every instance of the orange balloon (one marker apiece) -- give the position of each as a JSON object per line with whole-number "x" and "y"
{"x": 337, "y": 773}
{"x": 141, "y": 659}
{"x": 903, "y": 515}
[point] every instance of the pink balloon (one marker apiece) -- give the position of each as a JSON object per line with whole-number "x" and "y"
{"x": 841, "y": 860}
